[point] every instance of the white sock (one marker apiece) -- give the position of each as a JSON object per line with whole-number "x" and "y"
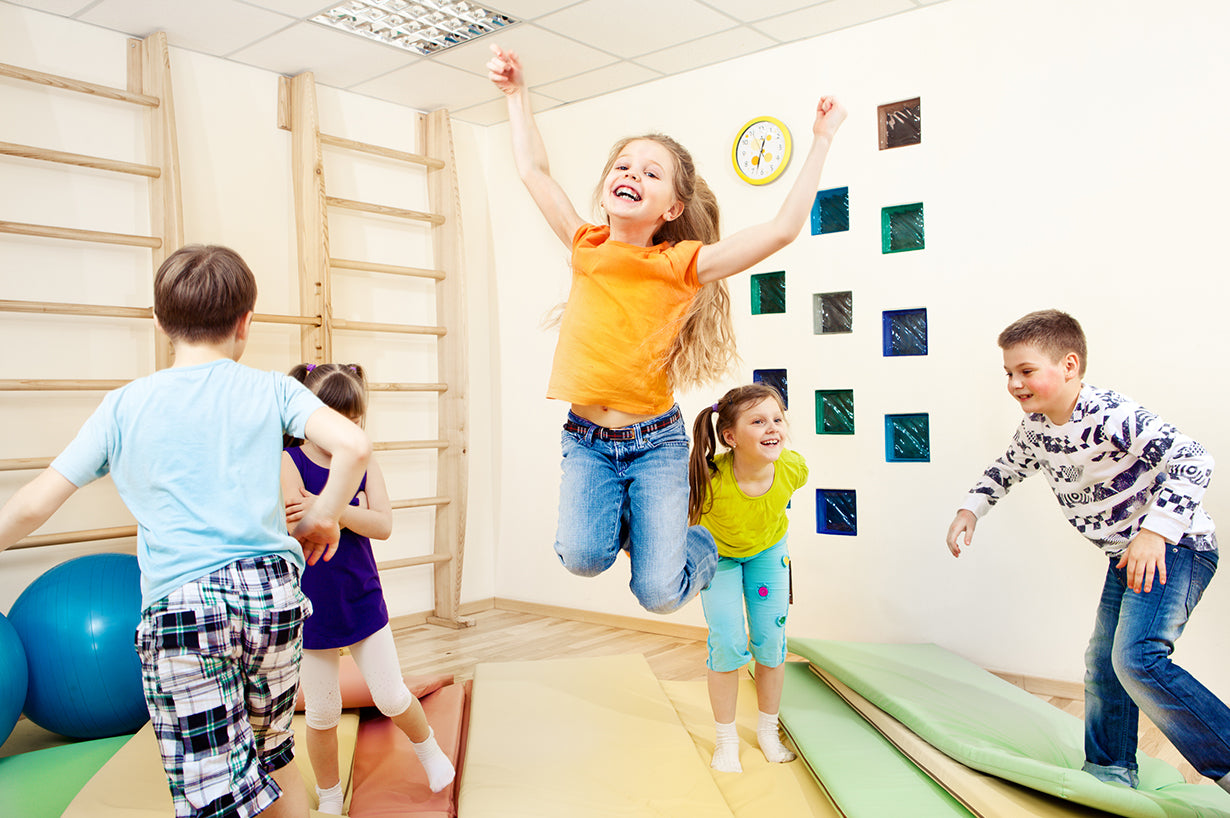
{"x": 770, "y": 741}
{"x": 439, "y": 769}
{"x": 726, "y": 753}
{"x": 331, "y": 799}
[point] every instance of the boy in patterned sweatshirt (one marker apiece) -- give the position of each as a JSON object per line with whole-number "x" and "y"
{"x": 1131, "y": 483}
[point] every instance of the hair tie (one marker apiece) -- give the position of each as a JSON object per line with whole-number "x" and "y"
{"x": 714, "y": 407}
{"x": 354, "y": 370}
{"x": 310, "y": 367}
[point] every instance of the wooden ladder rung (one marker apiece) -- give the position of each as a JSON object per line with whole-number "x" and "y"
{"x": 59, "y": 385}
{"x": 25, "y": 463}
{"x": 272, "y": 318}
{"x": 80, "y": 86}
{"x": 86, "y": 535}
{"x": 391, "y": 269}
{"x": 407, "y": 387}
{"x": 384, "y": 210}
{"x": 370, "y": 326}
{"x": 377, "y": 150}
{"x": 421, "y": 502}
{"x": 77, "y": 234}
{"x": 63, "y": 308}
{"x": 426, "y": 559}
{"x": 79, "y": 160}
{"x": 408, "y": 445}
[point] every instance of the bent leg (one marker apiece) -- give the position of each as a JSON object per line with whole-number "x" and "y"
{"x": 590, "y": 500}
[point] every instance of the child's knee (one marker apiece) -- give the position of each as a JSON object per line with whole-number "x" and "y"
{"x": 323, "y": 718}
{"x": 585, "y": 559}
{"x": 393, "y": 700}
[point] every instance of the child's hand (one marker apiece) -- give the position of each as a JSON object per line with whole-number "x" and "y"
{"x": 829, "y": 115}
{"x": 1145, "y": 554}
{"x": 297, "y": 507}
{"x": 504, "y": 69}
{"x": 319, "y": 537}
{"x": 963, "y": 523}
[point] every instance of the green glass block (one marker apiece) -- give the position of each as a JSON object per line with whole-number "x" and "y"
{"x": 768, "y": 293}
{"x": 834, "y": 411}
{"x": 833, "y": 313}
{"x": 901, "y": 228}
{"x": 836, "y": 512}
{"x": 907, "y": 438}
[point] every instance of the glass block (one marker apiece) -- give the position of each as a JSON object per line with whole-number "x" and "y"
{"x": 900, "y": 123}
{"x": 833, "y": 312}
{"x": 775, "y": 378}
{"x": 905, "y": 332}
{"x": 768, "y": 293}
{"x": 907, "y": 438}
{"x": 836, "y": 512}
{"x": 830, "y": 212}
{"x": 834, "y": 411}
{"x": 901, "y": 228}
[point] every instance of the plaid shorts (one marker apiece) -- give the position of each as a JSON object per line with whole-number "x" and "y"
{"x": 220, "y": 665}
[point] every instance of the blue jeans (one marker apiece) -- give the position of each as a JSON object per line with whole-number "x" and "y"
{"x": 1127, "y": 666}
{"x": 628, "y": 488}
{"x": 761, "y": 584}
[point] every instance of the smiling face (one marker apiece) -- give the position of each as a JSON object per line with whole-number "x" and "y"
{"x": 640, "y": 184}
{"x": 759, "y": 433}
{"x": 1041, "y": 385}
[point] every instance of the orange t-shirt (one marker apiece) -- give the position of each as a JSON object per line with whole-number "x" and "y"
{"x": 622, "y": 314}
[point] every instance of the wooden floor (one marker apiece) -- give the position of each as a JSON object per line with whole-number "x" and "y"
{"x": 506, "y": 636}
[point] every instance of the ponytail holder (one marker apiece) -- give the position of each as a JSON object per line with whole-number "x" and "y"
{"x": 310, "y": 367}
{"x": 354, "y": 370}
{"x": 714, "y": 407}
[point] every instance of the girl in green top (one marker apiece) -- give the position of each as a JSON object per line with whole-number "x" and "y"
{"x": 738, "y": 502}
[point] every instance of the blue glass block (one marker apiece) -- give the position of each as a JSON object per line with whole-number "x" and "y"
{"x": 775, "y": 378}
{"x": 768, "y": 293}
{"x": 836, "y": 512}
{"x": 901, "y": 228}
{"x": 834, "y": 312}
{"x": 830, "y": 212}
{"x": 834, "y": 411}
{"x": 907, "y": 438}
{"x": 905, "y": 332}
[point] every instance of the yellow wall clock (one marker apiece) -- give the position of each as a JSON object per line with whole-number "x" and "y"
{"x": 761, "y": 150}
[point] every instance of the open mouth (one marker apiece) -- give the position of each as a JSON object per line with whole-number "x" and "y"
{"x": 625, "y": 192}
{"x": 771, "y": 443}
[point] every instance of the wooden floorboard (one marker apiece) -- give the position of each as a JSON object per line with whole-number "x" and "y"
{"x": 509, "y": 636}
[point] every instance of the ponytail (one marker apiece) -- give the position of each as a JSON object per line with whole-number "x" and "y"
{"x": 701, "y": 466}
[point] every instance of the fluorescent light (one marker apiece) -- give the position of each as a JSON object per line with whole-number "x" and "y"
{"x": 421, "y": 26}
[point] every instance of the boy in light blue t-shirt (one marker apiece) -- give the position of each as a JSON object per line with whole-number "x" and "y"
{"x": 195, "y": 452}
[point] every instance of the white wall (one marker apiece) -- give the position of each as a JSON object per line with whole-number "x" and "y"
{"x": 237, "y": 191}
{"x": 1070, "y": 158}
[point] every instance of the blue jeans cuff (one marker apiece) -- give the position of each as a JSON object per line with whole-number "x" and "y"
{"x": 1112, "y": 774}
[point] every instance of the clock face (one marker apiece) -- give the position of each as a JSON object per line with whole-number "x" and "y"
{"x": 761, "y": 150}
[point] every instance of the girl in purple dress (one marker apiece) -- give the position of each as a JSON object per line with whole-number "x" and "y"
{"x": 347, "y": 600}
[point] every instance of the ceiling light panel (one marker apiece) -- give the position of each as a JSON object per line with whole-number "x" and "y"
{"x": 420, "y": 26}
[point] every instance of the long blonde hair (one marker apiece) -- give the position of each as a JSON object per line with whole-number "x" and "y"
{"x": 704, "y": 347}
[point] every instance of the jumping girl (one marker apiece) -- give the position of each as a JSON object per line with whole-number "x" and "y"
{"x": 738, "y": 502}
{"x": 347, "y": 600}
{"x": 648, "y": 313}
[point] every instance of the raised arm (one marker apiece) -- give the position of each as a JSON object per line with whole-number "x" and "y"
{"x": 751, "y": 245}
{"x": 504, "y": 69}
{"x": 350, "y": 451}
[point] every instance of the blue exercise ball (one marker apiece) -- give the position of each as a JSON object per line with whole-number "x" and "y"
{"x": 77, "y": 623}
{"x": 12, "y": 678}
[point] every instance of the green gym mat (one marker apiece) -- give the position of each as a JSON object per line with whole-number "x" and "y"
{"x": 862, "y": 772}
{"x": 995, "y": 727}
{"x": 40, "y": 784}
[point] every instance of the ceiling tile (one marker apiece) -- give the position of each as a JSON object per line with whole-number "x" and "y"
{"x": 600, "y": 81}
{"x": 830, "y": 16}
{"x": 545, "y": 56}
{"x": 427, "y": 85}
{"x": 526, "y": 9}
{"x": 296, "y": 8}
{"x": 715, "y": 48}
{"x": 634, "y": 27}
{"x": 65, "y": 8}
{"x": 746, "y": 12}
{"x": 489, "y": 113}
{"x": 217, "y": 27}
{"x": 338, "y": 59}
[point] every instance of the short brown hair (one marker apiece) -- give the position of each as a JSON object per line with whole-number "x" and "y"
{"x": 201, "y": 292}
{"x": 1051, "y": 331}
